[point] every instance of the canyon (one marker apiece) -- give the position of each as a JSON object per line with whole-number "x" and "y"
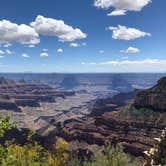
{"x": 87, "y": 112}
{"x": 127, "y": 121}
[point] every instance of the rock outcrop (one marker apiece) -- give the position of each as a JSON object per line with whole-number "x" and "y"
{"x": 132, "y": 130}
{"x": 107, "y": 105}
{"x": 120, "y": 122}
{"x": 16, "y": 94}
{"x": 153, "y": 98}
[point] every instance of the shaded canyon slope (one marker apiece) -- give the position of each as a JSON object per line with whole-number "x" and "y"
{"x": 133, "y": 123}
{"x": 153, "y": 98}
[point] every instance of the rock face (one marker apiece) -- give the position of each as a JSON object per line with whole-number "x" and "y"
{"x": 135, "y": 135}
{"x": 107, "y": 105}
{"x": 16, "y": 94}
{"x": 122, "y": 123}
{"x": 153, "y": 98}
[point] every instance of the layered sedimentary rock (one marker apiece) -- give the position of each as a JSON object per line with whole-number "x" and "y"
{"x": 116, "y": 119}
{"x": 125, "y": 124}
{"x": 153, "y": 98}
{"x": 107, "y": 105}
{"x": 16, "y": 94}
{"x": 135, "y": 136}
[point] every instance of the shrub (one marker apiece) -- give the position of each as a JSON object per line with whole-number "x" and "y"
{"x": 113, "y": 156}
{"x": 5, "y": 125}
{"x": 31, "y": 153}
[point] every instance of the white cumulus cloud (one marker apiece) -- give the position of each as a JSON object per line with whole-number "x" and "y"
{"x": 130, "y": 50}
{"x": 7, "y": 45}
{"x": 45, "y": 50}
{"x": 9, "y": 52}
{"x": 11, "y": 32}
{"x": 44, "y": 54}
{"x": 74, "y": 45}
{"x": 24, "y": 55}
{"x": 130, "y": 5}
{"x": 125, "y": 33}
{"x": 59, "y": 50}
{"x": 31, "y": 46}
{"x": 117, "y": 13}
{"x": 2, "y": 52}
{"x": 54, "y": 27}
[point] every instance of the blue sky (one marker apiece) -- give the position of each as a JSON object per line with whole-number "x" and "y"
{"x": 95, "y": 36}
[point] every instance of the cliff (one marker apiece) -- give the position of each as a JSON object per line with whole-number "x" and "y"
{"x": 123, "y": 121}
{"x": 153, "y": 98}
{"x": 16, "y": 94}
{"x": 107, "y": 105}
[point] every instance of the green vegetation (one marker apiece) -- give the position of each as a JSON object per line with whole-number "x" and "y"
{"x": 5, "y": 125}
{"x": 113, "y": 156}
{"x": 31, "y": 153}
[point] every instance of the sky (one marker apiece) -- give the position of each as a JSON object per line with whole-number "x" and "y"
{"x": 82, "y": 36}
